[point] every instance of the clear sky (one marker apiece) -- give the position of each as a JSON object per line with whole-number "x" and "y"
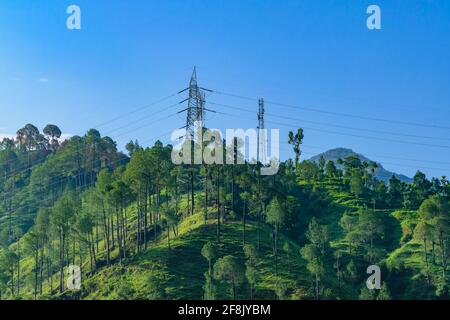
{"x": 315, "y": 55}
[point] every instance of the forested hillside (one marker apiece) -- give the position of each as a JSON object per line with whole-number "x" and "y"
{"x": 342, "y": 153}
{"x": 140, "y": 227}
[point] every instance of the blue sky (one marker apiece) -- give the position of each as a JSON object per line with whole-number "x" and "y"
{"x": 315, "y": 55}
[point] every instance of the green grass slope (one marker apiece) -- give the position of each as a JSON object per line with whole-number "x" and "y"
{"x": 179, "y": 271}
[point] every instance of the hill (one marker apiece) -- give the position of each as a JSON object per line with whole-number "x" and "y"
{"x": 141, "y": 227}
{"x": 340, "y": 153}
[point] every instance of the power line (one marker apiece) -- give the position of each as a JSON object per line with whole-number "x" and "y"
{"x": 341, "y": 126}
{"x": 142, "y": 118}
{"x": 66, "y": 178}
{"x": 290, "y": 126}
{"x": 43, "y": 158}
{"x": 340, "y": 114}
{"x": 110, "y": 121}
{"x": 143, "y": 107}
{"x": 196, "y": 93}
{"x": 201, "y": 96}
{"x": 63, "y": 177}
{"x": 341, "y": 133}
{"x": 196, "y": 110}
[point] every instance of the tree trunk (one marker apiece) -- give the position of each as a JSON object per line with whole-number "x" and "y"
{"x": 433, "y": 252}
{"x": 243, "y": 221}
{"x": 18, "y": 267}
{"x": 36, "y": 271}
{"x": 426, "y": 258}
{"x": 192, "y": 191}
{"x": 118, "y": 232}
{"x": 122, "y": 231}
{"x": 206, "y": 196}
{"x": 112, "y": 232}
{"x": 147, "y": 211}
{"x": 106, "y": 227}
{"x": 276, "y": 250}
{"x": 218, "y": 206}
{"x": 338, "y": 273}
{"x": 234, "y": 290}
{"x": 12, "y": 280}
{"x": 259, "y": 226}
{"x": 317, "y": 286}
{"x": 41, "y": 269}
{"x": 168, "y": 236}
{"x": 91, "y": 264}
{"x": 444, "y": 258}
{"x": 138, "y": 224}
{"x": 233, "y": 195}
{"x": 155, "y": 214}
{"x": 50, "y": 271}
{"x": 61, "y": 262}
{"x": 94, "y": 257}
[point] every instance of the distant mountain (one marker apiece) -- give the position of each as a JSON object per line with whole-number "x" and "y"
{"x": 341, "y": 153}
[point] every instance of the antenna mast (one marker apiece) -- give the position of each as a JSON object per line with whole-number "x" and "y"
{"x": 261, "y": 148}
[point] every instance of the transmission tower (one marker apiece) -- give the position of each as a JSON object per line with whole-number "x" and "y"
{"x": 261, "y": 147}
{"x": 195, "y": 122}
{"x": 195, "y": 111}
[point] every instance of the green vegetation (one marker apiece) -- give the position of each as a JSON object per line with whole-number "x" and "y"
{"x": 140, "y": 227}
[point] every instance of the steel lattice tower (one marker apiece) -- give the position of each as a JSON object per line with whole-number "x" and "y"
{"x": 195, "y": 111}
{"x": 261, "y": 147}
